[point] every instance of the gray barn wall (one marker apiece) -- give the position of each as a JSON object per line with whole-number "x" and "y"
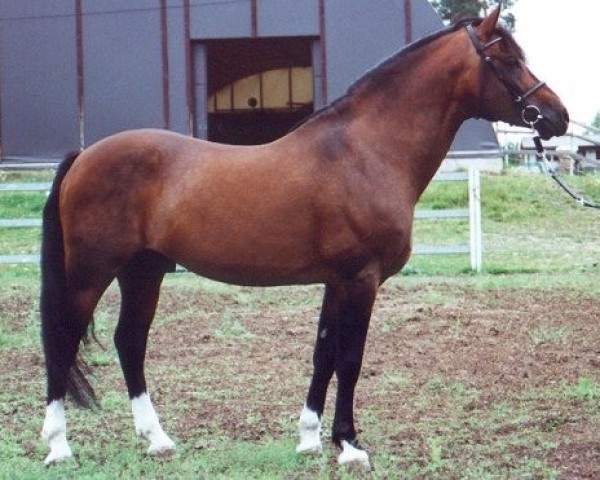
{"x": 123, "y": 66}
{"x": 179, "y": 113}
{"x": 352, "y": 49}
{"x": 132, "y": 79}
{"x": 38, "y": 78}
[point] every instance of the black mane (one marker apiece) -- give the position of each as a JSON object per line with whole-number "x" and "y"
{"x": 379, "y": 72}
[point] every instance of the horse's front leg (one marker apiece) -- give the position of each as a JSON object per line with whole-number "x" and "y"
{"x": 324, "y": 365}
{"x": 353, "y": 324}
{"x": 339, "y": 347}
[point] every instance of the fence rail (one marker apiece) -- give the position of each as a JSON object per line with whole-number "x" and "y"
{"x": 25, "y": 187}
{"x": 474, "y": 247}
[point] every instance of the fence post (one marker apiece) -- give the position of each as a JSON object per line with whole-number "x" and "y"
{"x": 476, "y": 247}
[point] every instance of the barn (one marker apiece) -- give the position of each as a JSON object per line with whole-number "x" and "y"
{"x": 236, "y": 71}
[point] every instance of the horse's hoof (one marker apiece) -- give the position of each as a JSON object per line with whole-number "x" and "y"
{"x": 57, "y": 455}
{"x": 162, "y": 450}
{"x": 351, "y": 456}
{"x": 164, "y": 454}
{"x": 313, "y": 448}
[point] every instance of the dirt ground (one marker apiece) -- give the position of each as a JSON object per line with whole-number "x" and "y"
{"x": 494, "y": 376}
{"x": 432, "y": 354}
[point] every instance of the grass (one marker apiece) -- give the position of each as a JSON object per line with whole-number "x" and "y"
{"x": 231, "y": 328}
{"x": 541, "y": 336}
{"x": 433, "y": 445}
{"x": 535, "y": 240}
{"x": 586, "y": 389}
{"x": 529, "y": 226}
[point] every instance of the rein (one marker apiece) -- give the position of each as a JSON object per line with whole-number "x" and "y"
{"x": 541, "y": 156}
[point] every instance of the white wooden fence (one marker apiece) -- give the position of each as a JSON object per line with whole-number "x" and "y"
{"x": 475, "y": 246}
{"x": 473, "y": 213}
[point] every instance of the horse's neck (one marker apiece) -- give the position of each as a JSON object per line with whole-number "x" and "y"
{"x": 412, "y": 123}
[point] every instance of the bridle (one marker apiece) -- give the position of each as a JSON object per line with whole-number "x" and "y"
{"x": 530, "y": 113}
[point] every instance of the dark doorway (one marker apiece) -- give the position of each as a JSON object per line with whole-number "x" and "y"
{"x": 257, "y": 89}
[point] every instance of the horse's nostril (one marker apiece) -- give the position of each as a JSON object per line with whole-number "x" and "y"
{"x": 566, "y": 116}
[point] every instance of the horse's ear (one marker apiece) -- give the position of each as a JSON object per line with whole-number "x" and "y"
{"x": 488, "y": 25}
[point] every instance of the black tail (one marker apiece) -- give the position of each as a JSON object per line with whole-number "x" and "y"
{"x": 60, "y": 333}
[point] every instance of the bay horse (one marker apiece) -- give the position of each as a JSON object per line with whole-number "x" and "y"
{"x": 332, "y": 202}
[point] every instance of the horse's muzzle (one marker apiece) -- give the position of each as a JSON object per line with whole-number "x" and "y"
{"x": 553, "y": 124}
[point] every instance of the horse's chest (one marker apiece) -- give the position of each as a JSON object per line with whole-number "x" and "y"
{"x": 394, "y": 249}
{"x": 382, "y": 240}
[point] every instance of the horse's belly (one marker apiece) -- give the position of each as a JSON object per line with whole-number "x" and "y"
{"x": 253, "y": 271}
{"x": 245, "y": 258}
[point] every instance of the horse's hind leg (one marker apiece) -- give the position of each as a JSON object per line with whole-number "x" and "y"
{"x": 140, "y": 283}
{"x": 61, "y": 342}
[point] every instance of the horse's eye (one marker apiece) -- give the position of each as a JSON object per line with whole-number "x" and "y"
{"x": 512, "y": 62}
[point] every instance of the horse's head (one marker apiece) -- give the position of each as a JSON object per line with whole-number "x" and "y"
{"x": 506, "y": 88}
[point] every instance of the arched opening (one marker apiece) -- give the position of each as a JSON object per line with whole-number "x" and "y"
{"x": 258, "y": 89}
{"x": 261, "y": 107}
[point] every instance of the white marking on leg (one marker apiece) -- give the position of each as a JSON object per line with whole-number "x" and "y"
{"x": 310, "y": 433}
{"x": 351, "y": 454}
{"x": 147, "y": 425}
{"x": 54, "y": 432}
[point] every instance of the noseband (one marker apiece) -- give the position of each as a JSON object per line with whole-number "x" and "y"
{"x": 530, "y": 113}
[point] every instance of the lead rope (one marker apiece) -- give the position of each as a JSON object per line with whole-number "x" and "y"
{"x": 541, "y": 156}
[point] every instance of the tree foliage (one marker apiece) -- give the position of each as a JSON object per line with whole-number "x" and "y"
{"x": 455, "y": 10}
